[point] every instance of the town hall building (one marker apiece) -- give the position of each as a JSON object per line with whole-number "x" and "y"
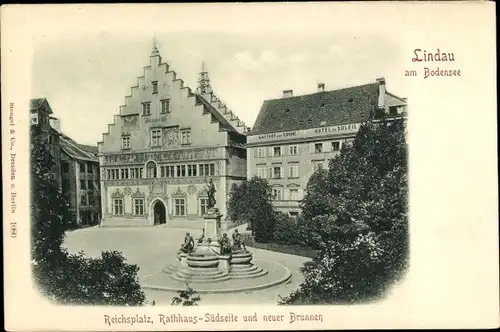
{"x": 163, "y": 146}
{"x": 294, "y": 136}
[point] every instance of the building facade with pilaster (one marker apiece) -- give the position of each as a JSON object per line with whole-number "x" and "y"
{"x": 80, "y": 181}
{"x": 294, "y": 136}
{"x": 76, "y": 166}
{"x": 163, "y": 145}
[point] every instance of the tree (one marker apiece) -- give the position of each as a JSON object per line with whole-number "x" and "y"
{"x": 187, "y": 297}
{"x": 317, "y": 198}
{"x": 252, "y": 201}
{"x": 260, "y": 211}
{"x": 358, "y": 217}
{"x": 49, "y": 210}
{"x": 316, "y": 202}
{"x": 60, "y": 276}
{"x": 236, "y": 207}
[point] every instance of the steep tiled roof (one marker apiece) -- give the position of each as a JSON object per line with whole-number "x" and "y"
{"x": 68, "y": 139}
{"x": 73, "y": 150}
{"x": 55, "y": 132}
{"x": 226, "y": 124}
{"x": 329, "y": 108}
{"x": 36, "y": 103}
{"x": 237, "y": 145}
{"x": 393, "y": 100}
{"x": 89, "y": 148}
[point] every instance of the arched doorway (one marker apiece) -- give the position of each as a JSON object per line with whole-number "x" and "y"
{"x": 159, "y": 213}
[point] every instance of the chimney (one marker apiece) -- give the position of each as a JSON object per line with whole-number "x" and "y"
{"x": 381, "y": 92}
{"x": 56, "y": 124}
{"x": 287, "y": 93}
{"x": 321, "y": 87}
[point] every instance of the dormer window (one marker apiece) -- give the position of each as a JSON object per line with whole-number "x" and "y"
{"x": 155, "y": 87}
{"x": 146, "y": 109}
{"x": 156, "y": 137}
{"x": 393, "y": 110}
{"x": 186, "y": 137}
{"x": 126, "y": 142}
{"x": 165, "y": 106}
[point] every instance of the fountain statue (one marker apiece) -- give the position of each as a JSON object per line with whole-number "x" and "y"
{"x": 210, "y": 187}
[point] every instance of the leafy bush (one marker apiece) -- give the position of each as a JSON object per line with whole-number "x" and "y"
{"x": 187, "y": 297}
{"x": 356, "y": 213}
{"x": 291, "y": 231}
{"x": 284, "y": 231}
{"x": 75, "y": 279}
{"x": 348, "y": 284}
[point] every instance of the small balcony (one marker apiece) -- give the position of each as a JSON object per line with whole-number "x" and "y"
{"x": 286, "y": 203}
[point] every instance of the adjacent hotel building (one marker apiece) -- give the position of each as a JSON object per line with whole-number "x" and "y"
{"x": 163, "y": 145}
{"x": 296, "y": 135}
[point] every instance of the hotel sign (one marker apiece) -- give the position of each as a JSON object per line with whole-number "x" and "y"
{"x": 303, "y": 134}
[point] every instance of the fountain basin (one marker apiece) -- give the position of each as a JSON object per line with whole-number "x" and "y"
{"x": 200, "y": 275}
{"x": 242, "y": 278}
{"x": 202, "y": 261}
{"x": 206, "y": 249}
{"x": 243, "y": 257}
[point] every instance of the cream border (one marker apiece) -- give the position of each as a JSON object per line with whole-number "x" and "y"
{"x": 453, "y": 279}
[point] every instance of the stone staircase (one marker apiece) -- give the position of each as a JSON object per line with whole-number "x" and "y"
{"x": 240, "y": 268}
{"x": 191, "y": 275}
{"x": 246, "y": 271}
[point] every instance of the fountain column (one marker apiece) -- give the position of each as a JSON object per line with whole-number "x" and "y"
{"x": 212, "y": 223}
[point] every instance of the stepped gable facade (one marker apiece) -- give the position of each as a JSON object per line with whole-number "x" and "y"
{"x": 163, "y": 145}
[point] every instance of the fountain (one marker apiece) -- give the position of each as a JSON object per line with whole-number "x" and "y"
{"x": 214, "y": 265}
{"x": 209, "y": 261}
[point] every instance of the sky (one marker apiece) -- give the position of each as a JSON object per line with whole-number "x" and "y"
{"x": 86, "y": 73}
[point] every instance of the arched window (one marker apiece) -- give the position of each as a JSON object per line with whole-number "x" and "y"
{"x": 151, "y": 170}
